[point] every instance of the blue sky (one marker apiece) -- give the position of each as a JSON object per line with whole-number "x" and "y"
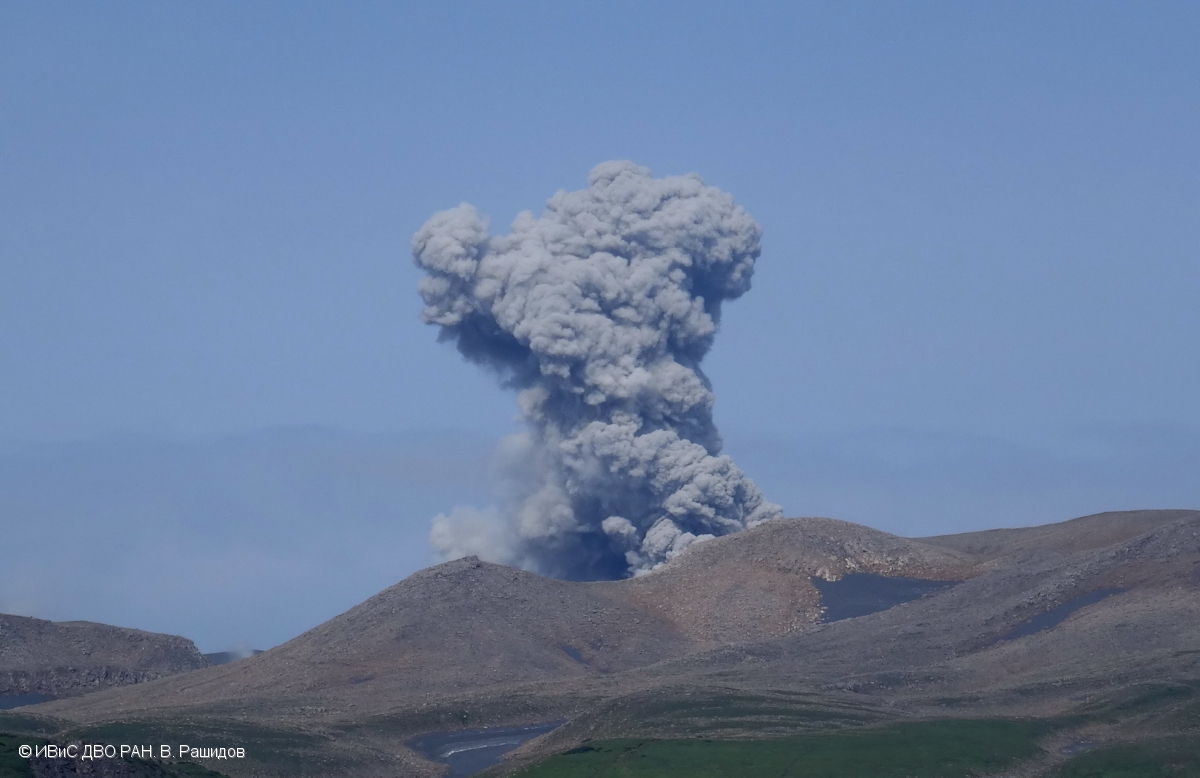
{"x": 976, "y": 303}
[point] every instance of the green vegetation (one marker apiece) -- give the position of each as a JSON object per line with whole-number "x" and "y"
{"x": 23, "y": 724}
{"x": 1177, "y": 757}
{"x": 913, "y": 749}
{"x": 12, "y": 764}
{"x": 724, "y": 714}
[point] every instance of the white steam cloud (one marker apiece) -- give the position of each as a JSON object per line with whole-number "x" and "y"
{"x": 599, "y": 312}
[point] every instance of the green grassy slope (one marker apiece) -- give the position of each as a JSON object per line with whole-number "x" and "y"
{"x": 917, "y": 749}
{"x": 1177, "y": 757}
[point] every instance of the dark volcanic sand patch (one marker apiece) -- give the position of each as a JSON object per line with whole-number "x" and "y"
{"x": 859, "y": 594}
{"x": 8, "y": 701}
{"x": 573, "y": 652}
{"x": 469, "y": 751}
{"x": 1055, "y": 616}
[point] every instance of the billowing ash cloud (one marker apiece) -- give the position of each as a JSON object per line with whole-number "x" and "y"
{"x": 599, "y": 311}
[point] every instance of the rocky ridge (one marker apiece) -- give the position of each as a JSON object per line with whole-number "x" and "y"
{"x": 69, "y": 658}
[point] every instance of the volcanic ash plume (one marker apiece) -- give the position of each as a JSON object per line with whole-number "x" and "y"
{"x": 599, "y": 311}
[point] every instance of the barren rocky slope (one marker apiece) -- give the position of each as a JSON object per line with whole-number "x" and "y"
{"x": 468, "y": 625}
{"x": 1041, "y": 620}
{"x": 67, "y": 658}
{"x": 1046, "y": 632}
{"x": 1128, "y": 610}
{"x": 758, "y": 584}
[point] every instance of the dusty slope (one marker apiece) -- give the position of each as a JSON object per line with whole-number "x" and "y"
{"x": 758, "y": 584}
{"x": 467, "y": 625}
{"x": 472, "y": 643}
{"x": 968, "y": 640}
{"x": 961, "y": 652}
{"x": 458, "y": 626}
{"x": 73, "y": 657}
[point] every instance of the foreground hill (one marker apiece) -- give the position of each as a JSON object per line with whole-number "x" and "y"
{"x": 735, "y": 637}
{"x": 68, "y": 658}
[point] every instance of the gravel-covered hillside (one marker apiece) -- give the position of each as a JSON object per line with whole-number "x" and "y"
{"x": 68, "y": 658}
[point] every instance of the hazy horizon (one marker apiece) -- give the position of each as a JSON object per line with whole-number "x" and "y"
{"x": 975, "y": 304}
{"x": 245, "y": 541}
